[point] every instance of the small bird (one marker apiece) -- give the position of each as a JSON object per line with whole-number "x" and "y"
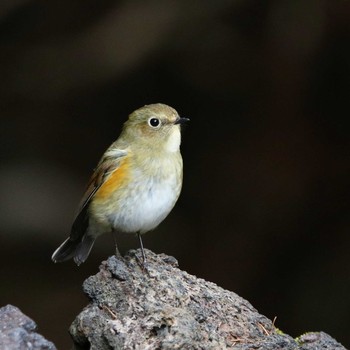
{"x": 134, "y": 186}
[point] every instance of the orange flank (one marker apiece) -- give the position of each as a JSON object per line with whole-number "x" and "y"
{"x": 114, "y": 181}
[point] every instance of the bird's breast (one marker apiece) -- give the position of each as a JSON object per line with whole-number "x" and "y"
{"x": 146, "y": 196}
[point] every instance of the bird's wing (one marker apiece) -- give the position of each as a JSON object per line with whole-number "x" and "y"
{"x": 108, "y": 165}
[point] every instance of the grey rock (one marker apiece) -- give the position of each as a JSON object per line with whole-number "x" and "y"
{"x": 318, "y": 341}
{"x": 17, "y": 331}
{"x": 162, "y": 307}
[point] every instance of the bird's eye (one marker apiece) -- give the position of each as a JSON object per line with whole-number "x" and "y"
{"x": 154, "y": 122}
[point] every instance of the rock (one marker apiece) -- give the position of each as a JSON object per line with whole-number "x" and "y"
{"x": 17, "y": 331}
{"x": 161, "y": 307}
{"x": 318, "y": 340}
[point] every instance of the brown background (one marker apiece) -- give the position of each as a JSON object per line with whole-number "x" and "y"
{"x": 265, "y": 204}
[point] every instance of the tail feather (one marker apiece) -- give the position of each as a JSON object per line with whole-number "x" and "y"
{"x": 83, "y": 249}
{"x": 77, "y": 249}
{"x": 65, "y": 251}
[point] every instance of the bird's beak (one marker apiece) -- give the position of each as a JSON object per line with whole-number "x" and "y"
{"x": 181, "y": 120}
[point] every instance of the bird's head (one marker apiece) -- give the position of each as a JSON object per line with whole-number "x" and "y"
{"x": 156, "y": 125}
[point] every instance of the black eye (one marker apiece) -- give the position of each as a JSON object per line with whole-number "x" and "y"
{"x": 154, "y": 122}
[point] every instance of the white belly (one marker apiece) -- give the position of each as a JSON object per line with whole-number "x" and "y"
{"x": 146, "y": 206}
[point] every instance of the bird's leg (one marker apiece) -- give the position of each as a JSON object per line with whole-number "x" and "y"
{"x": 142, "y": 263}
{"x": 142, "y": 250}
{"x": 117, "y": 252}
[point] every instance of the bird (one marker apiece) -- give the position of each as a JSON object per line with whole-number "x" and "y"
{"x": 135, "y": 184}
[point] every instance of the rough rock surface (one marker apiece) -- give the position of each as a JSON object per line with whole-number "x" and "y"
{"x": 162, "y": 307}
{"x": 318, "y": 340}
{"x": 17, "y": 331}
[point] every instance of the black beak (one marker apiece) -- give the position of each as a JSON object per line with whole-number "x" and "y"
{"x": 181, "y": 120}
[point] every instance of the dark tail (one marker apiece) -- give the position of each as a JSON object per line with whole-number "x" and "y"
{"x": 79, "y": 250}
{"x": 78, "y": 245}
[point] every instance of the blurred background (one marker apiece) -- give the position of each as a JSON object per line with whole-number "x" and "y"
{"x": 264, "y": 210}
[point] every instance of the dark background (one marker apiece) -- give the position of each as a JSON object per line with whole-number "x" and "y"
{"x": 264, "y": 209}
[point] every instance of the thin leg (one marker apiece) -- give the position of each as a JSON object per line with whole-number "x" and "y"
{"x": 117, "y": 252}
{"x": 143, "y": 251}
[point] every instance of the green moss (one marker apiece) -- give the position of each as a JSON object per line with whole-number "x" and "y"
{"x": 278, "y": 331}
{"x": 298, "y": 340}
